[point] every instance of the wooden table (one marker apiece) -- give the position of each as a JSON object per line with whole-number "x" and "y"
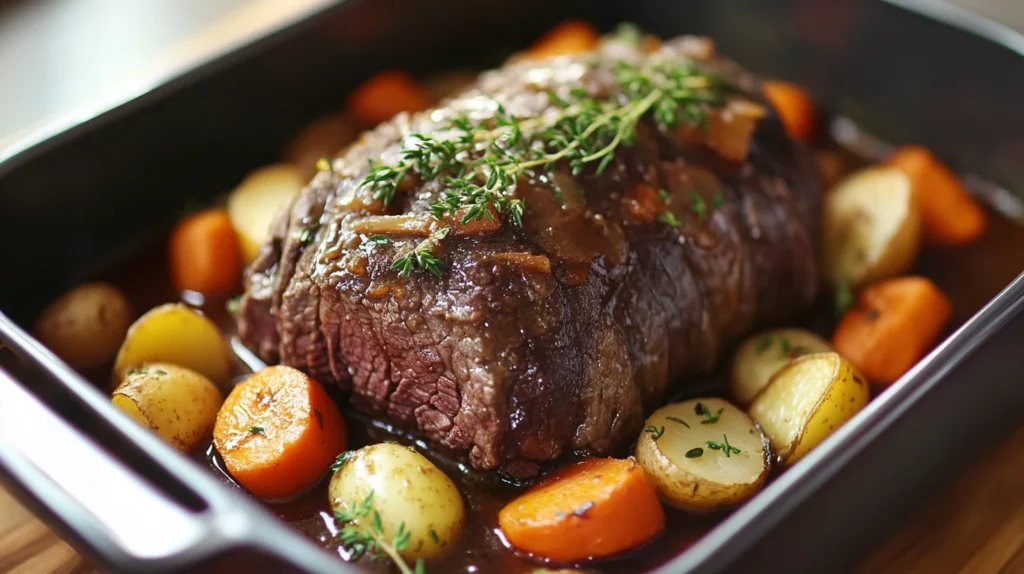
{"x": 975, "y": 525}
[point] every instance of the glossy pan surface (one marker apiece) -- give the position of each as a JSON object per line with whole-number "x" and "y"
{"x": 83, "y": 195}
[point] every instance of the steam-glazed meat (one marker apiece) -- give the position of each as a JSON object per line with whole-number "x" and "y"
{"x": 559, "y": 335}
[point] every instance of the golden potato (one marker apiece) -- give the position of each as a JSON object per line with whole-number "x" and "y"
{"x": 872, "y": 228}
{"x": 254, "y": 203}
{"x": 807, "y": 400}
{"x": 176, "y": 403}
{"x": 403, "y": 487}
{"x": 703, "y": 454}
{"x": 762, "y": 355}
{"x": 324, "y": 136}
{"x": 175, "y": 334}
{"x": 85, "y": 325}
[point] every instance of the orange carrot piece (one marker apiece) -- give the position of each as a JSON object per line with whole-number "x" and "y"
{"x": 951, "y": 216}
{"x": 643, "y": 202}
{"x": 569, "y": 37}
{"x": 794, "y": 106}
{"x": 204, "y": 254}
{"x": 597, "y": 507}
{"x": 278, "y": 433}
{"x": 893, "y": 325}
{"x": 383, "y": 96}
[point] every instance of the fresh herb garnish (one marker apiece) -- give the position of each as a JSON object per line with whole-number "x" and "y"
{"x": 710, "y": 418}
{"x": 378, "y": 239}
{"x": 132, "y": 372}
{"x": 419, "y": 258}
{"x": 256, "y": 430}
{"x": 698, "y": 206}
{"x": 480, "y": 162}
{"x": 764, "y": 343}
{"x": 664, "y": 196}
{"x": 872, "y": 314}
{"x": 717, "y": 199}
{"x": 668, "y": 218}
{"x": 723, "y": 446}
{"x": 784, "y": 343}
{"x": 160, "y": 372}
{"x": 319, "y": 417}
{"x": 325, "y": 164}
{"x": 361, "y": 539}
{"x": 656, "y": 431}
{"x": 304, "y": 236}
{"x": 340, "y": 460}
{"x": 678, "y": 420}
{"x": 694, "y": 452}
{"x": 844, "y": 297}
{"x": 234, "y": 304}
{"x": 433, "y": 536}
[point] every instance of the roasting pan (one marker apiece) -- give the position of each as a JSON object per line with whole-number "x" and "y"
{"x": 84, "y": 192}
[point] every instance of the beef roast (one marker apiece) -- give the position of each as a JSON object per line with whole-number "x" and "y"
{"x": 559, "y": 335}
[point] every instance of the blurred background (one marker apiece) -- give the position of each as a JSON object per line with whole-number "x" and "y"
{"x": 58, "y": 55}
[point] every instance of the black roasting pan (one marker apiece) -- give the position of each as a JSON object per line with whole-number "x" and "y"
{"x": 84, "y": 192}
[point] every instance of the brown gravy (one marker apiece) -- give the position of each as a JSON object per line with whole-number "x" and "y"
{"x": 970, "y": 275}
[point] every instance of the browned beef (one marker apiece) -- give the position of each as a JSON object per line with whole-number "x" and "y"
{"x": 501, "y": 360}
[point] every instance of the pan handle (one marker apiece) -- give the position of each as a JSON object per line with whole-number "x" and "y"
{"x": 89, "y": 492}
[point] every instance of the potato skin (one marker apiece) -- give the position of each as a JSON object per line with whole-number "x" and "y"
{"x": 85, "y": 325}
{"x": 176, "y": 403}
{"x": 807, "y": 401}
{"x": 762, "y": 355}
{"x": 406, "y": 488}
{"x": 254, "y": 203}
{"x": 712, "y": 480}
{"x": 871, "y": 227}
{"x": 176, "y": 334}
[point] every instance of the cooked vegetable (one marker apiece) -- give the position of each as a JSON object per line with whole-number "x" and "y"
{"x": 175, "y": 334}
{"x": 85, "y": 325}
{"x": 762, "y": 355}
{"x": 950, "y": 215}
{"x": 892, "y": 326}
{"x": 254, "y": 203}
{"x": 278, "y": 433}
{"x": 806, "y": 401}
{"x": 794, "y": 106}
{"x": 569, "y": 37}
{"x": 703, "y": 454}
{"x": 594, "y": 508}
{"x": 449, "y": 83}
{"x": 176, "y": 403}
{"x": 407, "y": 492}
{"x": 385, "y": 95}
{"x": 871, "y": 227}
{"x": 324, "y": 137}
{"x": 203, "y": 254}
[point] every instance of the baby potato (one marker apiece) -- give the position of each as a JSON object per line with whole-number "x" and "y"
{"x": 807, "y": 400}
{"x": 325, "y": 136}
{"x": 872, "y": 228}
{"x": 703, "y": 454}
{"x": 762, "y": 355}
{"x": 176, "y": 403}
{"x": 174, "y": 333}
{"x": 404, "y": 488}
{"x": 85, "y": 325}
{"x": 254, "y": 203}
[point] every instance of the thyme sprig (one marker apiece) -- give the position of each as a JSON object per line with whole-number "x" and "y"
{"x": 362, "y": 534}
{"x": 480, "y": 162}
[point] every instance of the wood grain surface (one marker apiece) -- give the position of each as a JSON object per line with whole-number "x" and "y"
{"x": 973, "y": 526}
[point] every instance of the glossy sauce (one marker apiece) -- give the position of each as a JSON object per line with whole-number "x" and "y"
{"x": 970, "y": 275}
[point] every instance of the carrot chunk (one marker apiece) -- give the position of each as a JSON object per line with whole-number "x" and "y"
{"x": 892, "y": 326}
{"x": 597, "y": 507}
{"x": 383, "y": 96}
{"x": 951, "y": 216}
{"x": 278, "y": 433}
{"x": 204, "y": 254}
{"x": 794, "y": 106}
{"x": 569, "y": 37}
